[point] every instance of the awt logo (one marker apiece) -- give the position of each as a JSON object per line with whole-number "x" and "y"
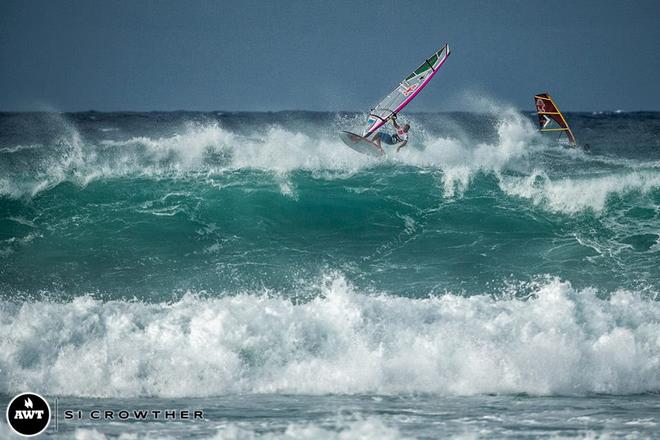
{"x": 28, "y": 414}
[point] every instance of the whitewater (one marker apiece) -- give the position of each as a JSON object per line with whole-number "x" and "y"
{"x": 485, "y": 281}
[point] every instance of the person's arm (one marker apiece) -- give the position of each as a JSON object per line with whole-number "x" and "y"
{"x": 402, "y": 145}
{"x": 393, "y": 119}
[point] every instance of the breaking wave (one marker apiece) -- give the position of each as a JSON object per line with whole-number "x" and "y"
{"x": 559, "y": 340}
{"x": 211, "y": 148}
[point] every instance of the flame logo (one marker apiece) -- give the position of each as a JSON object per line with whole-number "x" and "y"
{"x": 540, "y": 105}
{"x": 28, "y": 403}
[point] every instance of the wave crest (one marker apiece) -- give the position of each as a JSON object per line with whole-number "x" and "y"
{"x": 562, "y": 341}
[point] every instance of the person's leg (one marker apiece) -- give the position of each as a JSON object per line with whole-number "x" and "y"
{"x": 377, "y": 139}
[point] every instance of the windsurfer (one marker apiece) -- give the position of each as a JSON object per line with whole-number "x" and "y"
{"x": 401, "y": 135}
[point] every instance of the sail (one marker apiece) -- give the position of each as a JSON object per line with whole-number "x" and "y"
{"x": 405, "y": 91}
{"x": 548, "y": 112}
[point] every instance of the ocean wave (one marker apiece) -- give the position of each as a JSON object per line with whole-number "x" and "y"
{"x": 19, "y": 148}
{"x": 461, "y": 159}
{"x": 505, "y": 141}
{"x": 559, "y": 341}
{"x": 575, "y": 194}
{"x": 367, "y": 428}
{"x": 212, "y": 148}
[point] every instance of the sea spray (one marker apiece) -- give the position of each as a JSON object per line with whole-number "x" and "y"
{"x": 483, "y": 280}
{"x": 558, "y": 341}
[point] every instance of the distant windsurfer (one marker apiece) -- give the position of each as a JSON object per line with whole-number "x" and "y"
{"x": 401, "y": 136}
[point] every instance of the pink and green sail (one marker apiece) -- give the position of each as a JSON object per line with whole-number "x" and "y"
{"x": 405, "y": 91}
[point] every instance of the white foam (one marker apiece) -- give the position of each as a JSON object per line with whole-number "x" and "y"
{"x": 369, "y": 428}
{"x": 571, "y": 195}
{"x": 461, "y": 159}
{"x": 566, "y": 341}
{"x": 17, "y": 148}
{"x": 362, "y": 428}
{"x": 211, "y": 148}
{"x": 275, "y": 149}
{"x": 50, "y": 166}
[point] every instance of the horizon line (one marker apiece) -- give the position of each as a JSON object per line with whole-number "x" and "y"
{"x": 532, "y": 110}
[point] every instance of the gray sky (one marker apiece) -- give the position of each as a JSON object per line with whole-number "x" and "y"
{"x": 324, "y": 55}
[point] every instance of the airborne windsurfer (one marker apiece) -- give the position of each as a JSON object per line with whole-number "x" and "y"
{"x": 401, "y": 135}
{"x": 371, "y": 139}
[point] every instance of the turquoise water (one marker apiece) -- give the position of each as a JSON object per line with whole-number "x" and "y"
{"x": 485, "y": 277}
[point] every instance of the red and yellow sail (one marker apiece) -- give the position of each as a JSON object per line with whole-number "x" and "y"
{"x": 550, "y": 118}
